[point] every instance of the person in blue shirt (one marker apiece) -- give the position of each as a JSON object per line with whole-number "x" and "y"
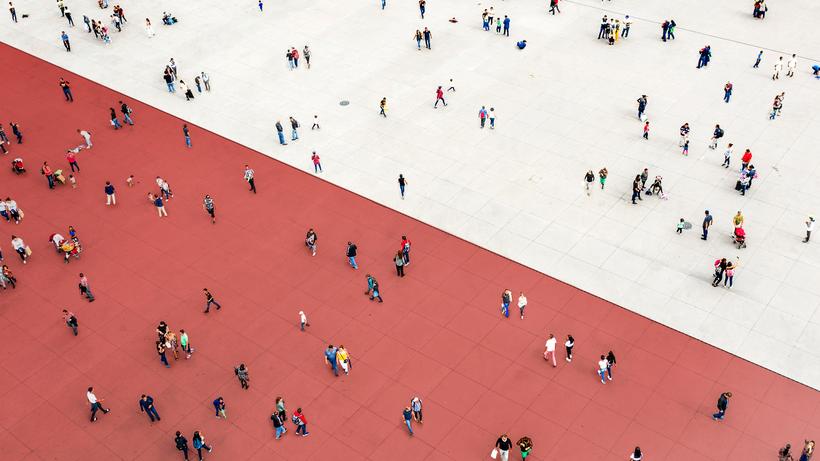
{"x": 816, "y": 69}
{"x": 219, "y": 406}
{"x": 759, "y": 58}
{"x": 330, "y": 357}
{"x": 66, "y": 43}
{"x": 521, "y": 45}
{"x": 147, "y": 406}
{"x": 506, "y": 26}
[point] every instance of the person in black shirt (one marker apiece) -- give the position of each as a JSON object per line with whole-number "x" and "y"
{"x": 503, "y": 444}
{"x": 408, "y": 416}
{"x": 722, "y": 403}
{"x": 182, "y": 444}
{"x": 209, "y": 299}
{"x": 351, "y": 255}
{"x": 147, "y": 406}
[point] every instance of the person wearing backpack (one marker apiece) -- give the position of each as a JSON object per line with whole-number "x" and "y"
{"x": 716, "y": 135}
{"x": 294, "y": 135}
{"x": 199, "y": 443}
{"x": 301, "y": 422}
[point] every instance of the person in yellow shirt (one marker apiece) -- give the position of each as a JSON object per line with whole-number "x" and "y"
{"x": 343, "y": 357}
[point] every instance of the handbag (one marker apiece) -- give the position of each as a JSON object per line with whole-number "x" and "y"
{"x": 20, "y": 213}
{"x": 28, "y": 251}
{"x": 494, "y": 453}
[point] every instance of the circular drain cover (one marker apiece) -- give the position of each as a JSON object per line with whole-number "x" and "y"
{"x": 344, "y": 102}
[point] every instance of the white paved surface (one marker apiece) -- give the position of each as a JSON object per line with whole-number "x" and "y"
{"x": 565, "y": 105}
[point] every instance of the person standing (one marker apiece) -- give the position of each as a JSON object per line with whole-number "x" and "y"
{"x": 161, "y": 349}
{"x": 85, "y": 289}
{"x": 241, "y": 373}
{"x": 610, "y": 362}
{"x": 427, "y": 36}
{"x": 722, "y": 404}
{"x": 343, "y": 357}
{"x": 169, "y": 80}
{"x": 808, "y": 450}
{"x": 408, "y": 417}
{"x": 405, "y": 249}
{"x": 646, "y": 130}
{"x": 707, "y": 223}
{"x": 525, "y": 443}
{"x": 66, "y": 43}
{"x": 727, "y": 92}
{"x": 45, "y": 170}
{"x": 208, "y": 206}
{"x": 248, "y": 175}
{"x": 96, "y": 404}
{"x": 70, "y": 321}
{"x": 506, "y": 26}
{"x": 636, "y": 455}
{"x": 160, "y": 204}
{"x": 185, "y": 343}
{"x": 306, "y": 54}
{"x": 219, "y": 407}
{"x": 602, "y": 174}
{"x": 589, "y": 178}
{"x": 351, "y": 254}
{"x": 522, "y": 304}
{"x": 280, "y": 132}
{"x": 310, "y": 240}
{"x": 209, "y": 299}
{"x": 303, "y": 321}
{"x": 439, "y": 97}
{"x": 602, "y": 367}
{"x": 330, "y": 359}
{"x": 415, "y": 405}
{"x": 399, "y": 261}
{"x": 636, "y": 189}
{"x": 642, "y": 101}
{"x": 182, "y": 444}
{"x": 317, "y": 163}
{"x": 187, "y": 134}
{"x": 503, "y": 446}
{"x": 809, "y": 229}
{"x": 294, "y": 135}
{"x": 278, "y": 424}
{"x": 110, "y": 197}
{"x": 199, "y": 443}
{"x": 791, "y": 65}
{"x": 147, "y": 406}
{"x": 402, "y": 185}
{"x": 569, "y": 344}
{"x": 13, "y": 12}
{"x": 72, "y": 160}
{"x": 549, "y": 350}
{"x": 66, "y": 87}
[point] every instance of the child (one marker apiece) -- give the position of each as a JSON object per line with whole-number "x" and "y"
{"x": 680, "y": 226}
{"x": 73, "y": 181}
{"x": 130, "y": 181}
{"x": 646, "y": 130}
{"x": 686, "y": 147}
{"x": 492, "y": 118}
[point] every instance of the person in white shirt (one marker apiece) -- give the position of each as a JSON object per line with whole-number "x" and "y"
{"x": 636, "y": 455}
{"x": 303, "y": 322}
{"x": 86, "y": 137}
{"x": 602, "y": 366}
{"x": 20, "y": 247}
{"x": 96, "y": 404}
{"x": 550, "y": 350}
{"x": 778, "y": 66}
{"x": 792, "y": 65}
{"x": 522, "y": 303}
{"x": 809, "y": 228}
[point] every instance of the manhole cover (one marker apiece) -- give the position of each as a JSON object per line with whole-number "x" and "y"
{"x": 344, "y": 102}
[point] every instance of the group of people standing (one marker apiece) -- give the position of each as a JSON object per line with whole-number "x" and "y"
{"x": 292, "y": 56}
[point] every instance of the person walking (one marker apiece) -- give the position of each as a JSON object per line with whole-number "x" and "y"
{"x": 343, "y": 357}
{"x": 589, "y": 178}
{"x": 351, "y": 253}
{"x": 330, "y": 359}
{"x": 219, "y": 407}
{"x": 415, "y": 405}
{"x": 46, "y": 171}
{"x": 66, "y": 87}
{"x": 113, "y": 117}
{"x": 506, "y": 299}
{"x": 383, "y": 107}
{"x": 707, "y": 223}
{"x": 185, "y": 343}
{"x": 72, "y": 160}
{"x": 642, "y": 101}
{"x": 241, "y": 373}
{"x": 636, "y": 189}
{"x": 198, "y": 441}
{"x": 15, "y": 130}
{"x": 147, "y": 406}
{"x": 808, "y": 450}
{"x": 729, "y": 274}
{"x": 610, "y": 363}
{"x": 315, "y": 125}
{"x": 303, "y": 321}
{"x": 278, "y": 424}
{"x": 280, "y": 132}
{"x": 525, "y": 443}
{"x": 602, "y": 174}
{"x": 20, "y": 248}
{"x": 418, "y": 37}
{"x": 727, "y": 155}
{"x": 110, "y": 197}
{"x": 809, "y": 229}
{"x": 568, "y": 345}
{"x": 491, "y": 116}
{"x": 70, "y": 321}
{"x": 506, "y": 26}
{"x": 549, "y": 350}
{"x": 249, "y": 177}
{"x": 398, "y": 259}
{"x": 209, "y": 299}
{"x": 405, "y": 249}
{"x": 603, "y": 364}
{"x": 126, "y": 113}
{"x": 722, "y": 404}
{"x": 522, "y": 304}
{"x": 294, "y": 134}
{"x": 85, "y": 289}
{"x": 317, "y": 163}
{"x": 427, "y": 35}
{"x": 187, "y": 134}
{"x": 407, "y": 413}
{"x": 757, "y": 61}
{"x": 791, "y": 65}
{"x": 208, "y": 206}
{"x": 96, "y": 404}
{"x": 503, "y": 446}
{"x": 300, "y": 420}
{"x": 402, "y": 185}
{"x": 778, "y": 66}
{"x": 646, "y": 130}
{"x": 422, "y": 4}
{"x": 374, "y": 292}
{"x": 727, "y": 92}
{"x": 182, "y": 444}
{"x": 66, "y": 43}
{"x": 13, "y": 12}
{"x": 636, "y": 455}
{"x": 482, "y": 116}
{"x": 439, "y": 97}
{"x": 161, "y": 349}
{"x": 160, "y": 204}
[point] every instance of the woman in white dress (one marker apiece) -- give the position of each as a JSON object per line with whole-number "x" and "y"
{"x": 148, "y": 28}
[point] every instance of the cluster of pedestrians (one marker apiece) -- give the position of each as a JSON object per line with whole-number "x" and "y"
{"x": 338, "y": 357}
{"x": 170, "y": 75}
{"x": 292, "y": 56}
{"x": 167, "y": 341}
{"x": 612, "y": 29}
{"x": 502, "y": 26}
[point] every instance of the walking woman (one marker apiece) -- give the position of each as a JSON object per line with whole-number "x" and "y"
{"x": 525, "y": 445}
{"x": 242, "y": 373}
{"x": 610, "y": 361}
{"x": 602, "y": 174}
{"x": 399, "y": 260}
{"x": 161, "y": 352}
{"x": 418, "y": 39}
{"x": 569, "y": 344}
{"x": 199, "y": 443}
{"x": 636, "y": 455}
{"x": 280, "y": 408}
{"x": 402, "y": 185}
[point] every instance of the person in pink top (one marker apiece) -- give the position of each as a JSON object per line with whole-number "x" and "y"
{"x": 317, "y": 164}
{"x": 71, "y": 156}
{"x": 295, "y": 53}
{"x": 482, "y": 116}
{"x": 439, "y": 97}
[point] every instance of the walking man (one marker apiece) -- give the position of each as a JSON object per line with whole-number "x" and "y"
{"x": 757, "y": 61}
{"x": 187, "y": 135}
{"x": 351, "y": 254}
{"x": 506, "y": 26}
{"x": 71, "y": 321}
{"x": 280, "y": 131}
{"x": 66, "y": 43}
{"x": 727, "y": 91}
{"x": 549, "y": 350}
{"x": 778, "y": 66}
{"x": 64, "y": 85}
{"x": 402, "y": 185}
{"x": 96, "y": 404}
{"x": 147, "y": 406}
{"x": 707, "y": 223}
{"x": 427, "y": 36}
{"x": 249, "y": 178}
{"x": 181, "y": 444}
{"x": 208, "y": 205}
{"x": 72, "y": 160}
{"x": 330, "y": 358}
{"x": 408, "y": 417}
{"x": 85, "y": 289}
{"x": 110, "y": 198}
{"x": 317, "y": 164}
{"x": 299, "y": 419}
{"x": 722, "y": 404}
{"x": 126, "y": 113}
{"x": 641, "y": 106}
{"x": 791, "y": 65}
{"x": 809, "y": 229}
{"x": 439, "y": 97}
{"x": 209, "y": 299}
{"x": 13, "y": 12}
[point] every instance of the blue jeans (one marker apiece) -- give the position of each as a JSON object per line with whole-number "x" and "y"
{"x": 602, "y": 373}
{"x": 401, "y": 189}
{"x": 127, "y": 119}
{"x": 208, "y": 305}
{"x": 409, "y": 427}
{"x": 719, "y": 415}
{"x": 317, "y": 167}
{"x": 171, "y": 88}
{"x": 301, "y": 428}
{"x": 164, "y": 360}
{"x": 727, "y": 95}
{"x": 281, "y": 137}
{"x": 418, "y": 42}
{"x": 384, "y": 3}
{"x": 188, "y": 141}
{"x": 279, "y": 431}
{"x": 152, "y": 413}
{"x": 116, "y": 123}
{"x": 352, "y": 261}
{"x": 294, "y": 135}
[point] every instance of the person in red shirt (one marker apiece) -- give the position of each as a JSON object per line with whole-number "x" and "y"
{"x": 746, "y": 159}
{"x": 301, "y": 422}
{"x": 295, "y": 53}
{"x": 405, "y": 250}
{"x": 46, "y": 171}
{"x": 72, "y": 160}
{"x": 317, "y": 164}
{"x": 439, "y": 97}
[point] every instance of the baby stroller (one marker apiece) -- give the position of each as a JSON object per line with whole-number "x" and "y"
{"x": 739, "y": 237}
{"x": 17, "y": 166}
{"x": 68, "y": 247}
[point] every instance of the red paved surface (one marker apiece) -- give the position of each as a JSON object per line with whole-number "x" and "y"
{"x": 438, "y": 334}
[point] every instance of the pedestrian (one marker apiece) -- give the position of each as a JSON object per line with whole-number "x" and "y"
{"x": 330, "y": 359}
{"x": 46, "y": 171}
{"x": 707, "y": 223}
{"x": 491, "y": 115}
{"x": 280, "y": 408}
{"x": 206, "y": 80}
{"x": 72, "y": 160}
{"x": 422, "y": 4}
{"x": 427, "y": 35}
{"x": 343, "y": 357}
{"x": 627, "y": 25}
{"x": 209, "y": 299}
{"x": 642, "y": 101}
{"x": 759, "y": 58}
{"x": 439, "y": 96}
{"x": 727, "y": 155}
{"x": 241, "y": 373}
{"x": 727, "y": 91}
{"x": 15, "y": 130}
{"x": 415, "y": 405}
{"x": 716, "y": 135}
{"x": 198, "y": 84}
{"x": 126, "y": 113}
{"x": 4, "y": 139}
{"x": 506, "y": 299}
{"x": 300, "y": 421}
{"x": 306, "y": 54}
{"x": 69, "y": 318}
{"x": 182, "y": 444}
{"x": 351, "y": 254}
{"x": 778, "y": 66}
{"x": 183, "y": 87}
{"x": 219, "y": 407}
{"x": 13, "y": 12}
{"x": 208, "y": 206}
{"x": 66, "y": 43}
{"x": 310, "y": 240}
{"x": 317, "y": 163}
{"x": 86, "y": 135}
{"x": 522, "y": 304}
{"x": 160, "y": 204}
{"x": 66, "y": 87}
{"x": 568, "y": 345}
{"x": 525, "y": 443}
{"x": 791, "y": 65}
{"x": 506, "y": 26}
{"x": 646, "y": 130}
{"x": 602, "y": 28}
{"x": 278, "y": 424}
{"x": 589, "y": 178}
{"x": 405, "y": 249}
{"x": 110, "y": 197}
{"x": 602, "y": 174}
{"x": 280, "y": 131}
{"x": 315, "y": 125}
{"x": 418, "y": 36}
{"x": 294, "y": 135}
{"x": 720, "y": 268}
{"x": 603, "y": 364}
{"x": 199, "y": 443}
{"x": 85, "y": 289}
{"x": 680, "y": 225}
{"x": 785, "y": 453}
{"x": 549, "y": 350}
{"x": 610, "y": 360}
{"x": 636, "y": 455}
{"x": 554, "y": 7}
{"x": 147, "y": 406}
{"x": 636, "y": 189}
{"x": 374, "y": 292}
{"x": 451, "y": 87}
{"x": 161, "y": 349}
{"x": 809, "y": 229}
{"x": 408, "y": 417}
{"x": 248, "y": 175}
{"x": 808, "y": 450}
{"x": 149, "y": 29}
{"x": 402, "y": 185}
{"x": 187, "y": 134}
{"x": 685, "y": 148}
{"x": 398, "y": 259}
{"x": 729, "y": 274}
{"x": 722, "y": 404}
{"x": 7, "y": 274}
{"x": 502, "y": 447}
{"x": 684, "y": 134}
{"x": 303, "y": 321}
{"x": 671, "y": 32}
{"x": 482, "y": 116}
{"x": 185, "y": 343}
{"x": 68, "y": 17}
{"x": 96, "y": 404}
{"x": 383, "y": 107}
{"x": 169, "y": 80}
{"x": 289, "y": 57}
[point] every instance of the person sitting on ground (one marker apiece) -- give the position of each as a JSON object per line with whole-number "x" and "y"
{"x": 168, "y": 19}
{"x": 521, "y": 45}
{"x": 816, "y": 70}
